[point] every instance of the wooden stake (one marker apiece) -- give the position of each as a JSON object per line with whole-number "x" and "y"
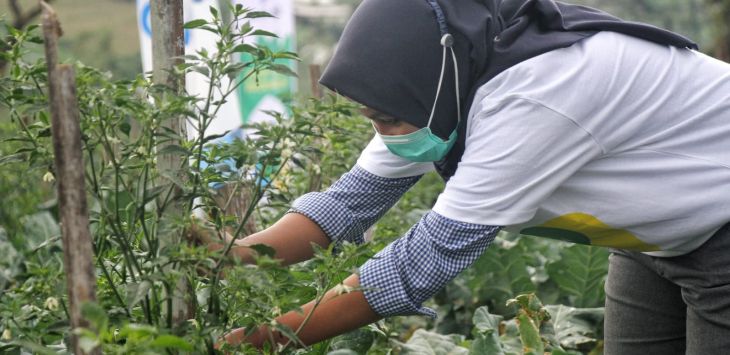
{"x": 233, "y": 199}
{"x": 168, "y": 47}
{"x": 315, "y": 176}
{"x": 78, "y": 252}
{"x": 315, "y": 71}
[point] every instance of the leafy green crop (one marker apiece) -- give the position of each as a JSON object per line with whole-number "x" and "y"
{"x": 136, "y": 209}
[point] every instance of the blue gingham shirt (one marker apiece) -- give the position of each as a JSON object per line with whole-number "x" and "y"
{"x": 414, "y": 267}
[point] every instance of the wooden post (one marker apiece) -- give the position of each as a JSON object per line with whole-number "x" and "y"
{"x": 315, "y": 176}
{"x": 78, "y": 255}
{"x": 168, "y": 47}
{"x": 233, "y": 199}
{"x": 315, "y": 71}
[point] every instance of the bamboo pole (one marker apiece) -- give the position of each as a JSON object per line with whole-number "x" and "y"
{"x": 67, "y": 147}
{"x": 168, "y": 47}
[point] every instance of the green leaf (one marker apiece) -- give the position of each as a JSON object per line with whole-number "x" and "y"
{"x": 39, "y": 228}
{"x": 201, "y": 69}
{"x": 195, "y": 23}
{"x": 96, "y": 315}
{"x": 174, "y": 149}
{"x": 529, "y": 335}
{"x": 511, "y": 343}
{"x": 343, "y": 352}
{"x": 257, "y": 14}
{"x": 171, "y": 342}
{"x": 533, "y": 322}
{"x": 287, "y": 331}
{"x": 282, "y": 69}
{"x": 125, "y": 127}
{"x": 88, "y": 343}
{"x": 12, "y": 158}
{"x": 169, "y": 175}
{"x": 485, "y": 322}
{"x": 137, "y": 332}
{"x": 136, "y": 292}
{"x": 246, "y": 48}
{"x": 10, "y": 262}
{"x": 286, "y": 55}
{"x": 427, "y": 343}
{"x": 233, "y": 69}
{"x": 213, "y": 137}
{"x": 5, "y": 348}
{"x": 486, "y": 333}
{"x": 581, "y": 274}
{"x": 577, "y": 328}
{"x": 263, "y": 250}
{"x": 358, "y": 341}
{"x": 264, "y": 33}
{"x": 36, "y": 348}
{"x": 503, "y": 274}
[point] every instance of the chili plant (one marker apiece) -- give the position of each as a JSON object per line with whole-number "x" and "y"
{"x": 134, "y": 205}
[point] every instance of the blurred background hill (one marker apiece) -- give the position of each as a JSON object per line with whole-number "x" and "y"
{"x": 103, "y": 33}
{"x": 100, "y": 33}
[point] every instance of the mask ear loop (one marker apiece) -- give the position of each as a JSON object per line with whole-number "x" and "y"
{"x": 456, "y": 80}
{"x": 441, "y": 80}
{"x": 447, "y": 41}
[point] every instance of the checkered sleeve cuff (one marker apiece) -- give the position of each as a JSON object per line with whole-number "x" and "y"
{"x": 329, "y": 214}
{"x": 384, "y": 289}
{"x": 417, "y": 265}
{"x": 353, "y": 203}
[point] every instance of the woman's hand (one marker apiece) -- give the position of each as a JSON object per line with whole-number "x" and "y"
{"x": 291, "y": 237}
{"x": 257, "y": 339}
{"x": 337, "y": 313}
{"x": 203, "y": 233}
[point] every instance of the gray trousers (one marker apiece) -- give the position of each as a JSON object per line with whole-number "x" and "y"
{"x": 666, "y": 306}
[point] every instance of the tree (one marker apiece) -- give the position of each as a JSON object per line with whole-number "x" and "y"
{"x": 720, "y": 10}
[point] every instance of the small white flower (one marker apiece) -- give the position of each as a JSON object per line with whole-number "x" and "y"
{"x": 30, "y": 308}
{"x": 51, "y": 303}
{"x": 289, "y": 144}
{"x": 342, "y": 288}
{"x": 7, "y": 335}
{"x": 317, "y": 169}
{"x": 279, "y": 185}
{"x": 286, "y": 153}
{"x": 48, "y": 177}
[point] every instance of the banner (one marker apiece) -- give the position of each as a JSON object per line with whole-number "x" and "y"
{"x": 272, "y": 87}
{"x": 246, "y": 104}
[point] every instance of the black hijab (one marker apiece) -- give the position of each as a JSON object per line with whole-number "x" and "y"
{"x": 389, "y": 56}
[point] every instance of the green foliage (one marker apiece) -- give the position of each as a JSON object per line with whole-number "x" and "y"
{"x": 138, "y": 213}
{"x": 486, "y": 333}
{"x": 424, "y": 342}
{"x": 135, "y": 207}
{"x": 580, "y": 274}
{"x": 577, "y": 328}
